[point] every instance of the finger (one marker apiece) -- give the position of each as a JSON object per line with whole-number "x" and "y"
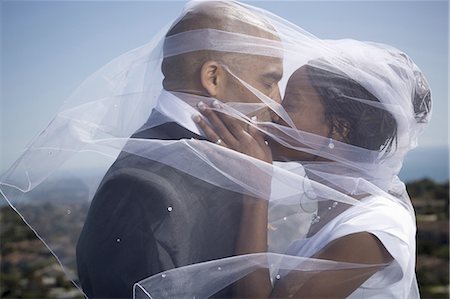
{"x": 235, "y": 126}
{"x": 238, "y": 128}
{"x": 260, "y": 139}
{"x": 219, "y": 127}
{"x": 256, "y": 134}
{"x": 210, "y": 134}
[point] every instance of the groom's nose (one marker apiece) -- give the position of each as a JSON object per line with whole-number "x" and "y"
{"x": 276, "y": 95}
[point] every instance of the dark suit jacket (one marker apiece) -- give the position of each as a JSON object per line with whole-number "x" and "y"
{"x": 129, "y": 233}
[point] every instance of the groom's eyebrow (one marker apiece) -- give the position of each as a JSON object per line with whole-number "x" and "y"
{"x": 275, "y": 76}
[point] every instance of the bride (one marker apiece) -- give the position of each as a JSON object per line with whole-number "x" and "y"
{"x": 333, "y": 107}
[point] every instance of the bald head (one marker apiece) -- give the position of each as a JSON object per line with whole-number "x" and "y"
{"x": 223, "y": 15}
{"x": 182, "y": 71}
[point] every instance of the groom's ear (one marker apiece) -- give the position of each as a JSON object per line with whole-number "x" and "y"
{"x": 211, "y": 75}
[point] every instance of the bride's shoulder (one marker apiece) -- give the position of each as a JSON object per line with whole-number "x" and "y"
{"x": 388, "y": 206}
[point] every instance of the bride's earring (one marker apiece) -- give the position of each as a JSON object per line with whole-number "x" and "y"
{"x": 330, "y": 143}
{"x": 308, "y": 202}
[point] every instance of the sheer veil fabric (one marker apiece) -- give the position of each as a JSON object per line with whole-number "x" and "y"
{"x": 70, "y": 183}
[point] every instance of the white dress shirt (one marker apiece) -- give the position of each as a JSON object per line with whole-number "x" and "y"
{"x": 180, "y": 108}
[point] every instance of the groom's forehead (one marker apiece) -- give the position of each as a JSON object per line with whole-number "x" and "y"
{"x": 266, "y": 67}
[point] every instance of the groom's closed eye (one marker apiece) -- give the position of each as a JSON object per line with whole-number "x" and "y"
{"x": 270, "y": 80}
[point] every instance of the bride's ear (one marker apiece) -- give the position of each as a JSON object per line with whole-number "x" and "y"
{"x": 211, "y": 75}
{"x": 340, "y": 130}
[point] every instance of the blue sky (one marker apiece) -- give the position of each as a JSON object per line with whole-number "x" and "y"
{"x": 48, "y": 48}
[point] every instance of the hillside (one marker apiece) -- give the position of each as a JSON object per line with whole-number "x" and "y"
{"x": 28, "y": 270}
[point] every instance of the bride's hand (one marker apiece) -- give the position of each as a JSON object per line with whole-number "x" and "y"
{"x": 229, "y": 132}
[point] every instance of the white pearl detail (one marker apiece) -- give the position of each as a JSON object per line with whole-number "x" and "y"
{"x": 331, "y": 144}
{"x": 315, "y": 218}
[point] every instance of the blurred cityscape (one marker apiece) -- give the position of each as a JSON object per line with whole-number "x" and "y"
{"x": 29, "y": 270}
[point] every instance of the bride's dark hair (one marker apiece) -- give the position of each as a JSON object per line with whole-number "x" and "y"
{"x": 358, "y": 123}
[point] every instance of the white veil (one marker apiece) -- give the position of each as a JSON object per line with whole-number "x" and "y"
{"x": 198, "y": 191}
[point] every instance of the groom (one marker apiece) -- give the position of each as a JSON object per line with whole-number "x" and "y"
{"x": 137, "y": 224}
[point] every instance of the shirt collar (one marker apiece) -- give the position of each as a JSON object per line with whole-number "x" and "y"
{"x": 179, "y": 107}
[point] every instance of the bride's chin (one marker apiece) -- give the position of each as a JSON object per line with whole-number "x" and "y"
{"x": 277, "y": 151}
{"x": 282, "y": 159}
{"x": 283, "y": 154}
